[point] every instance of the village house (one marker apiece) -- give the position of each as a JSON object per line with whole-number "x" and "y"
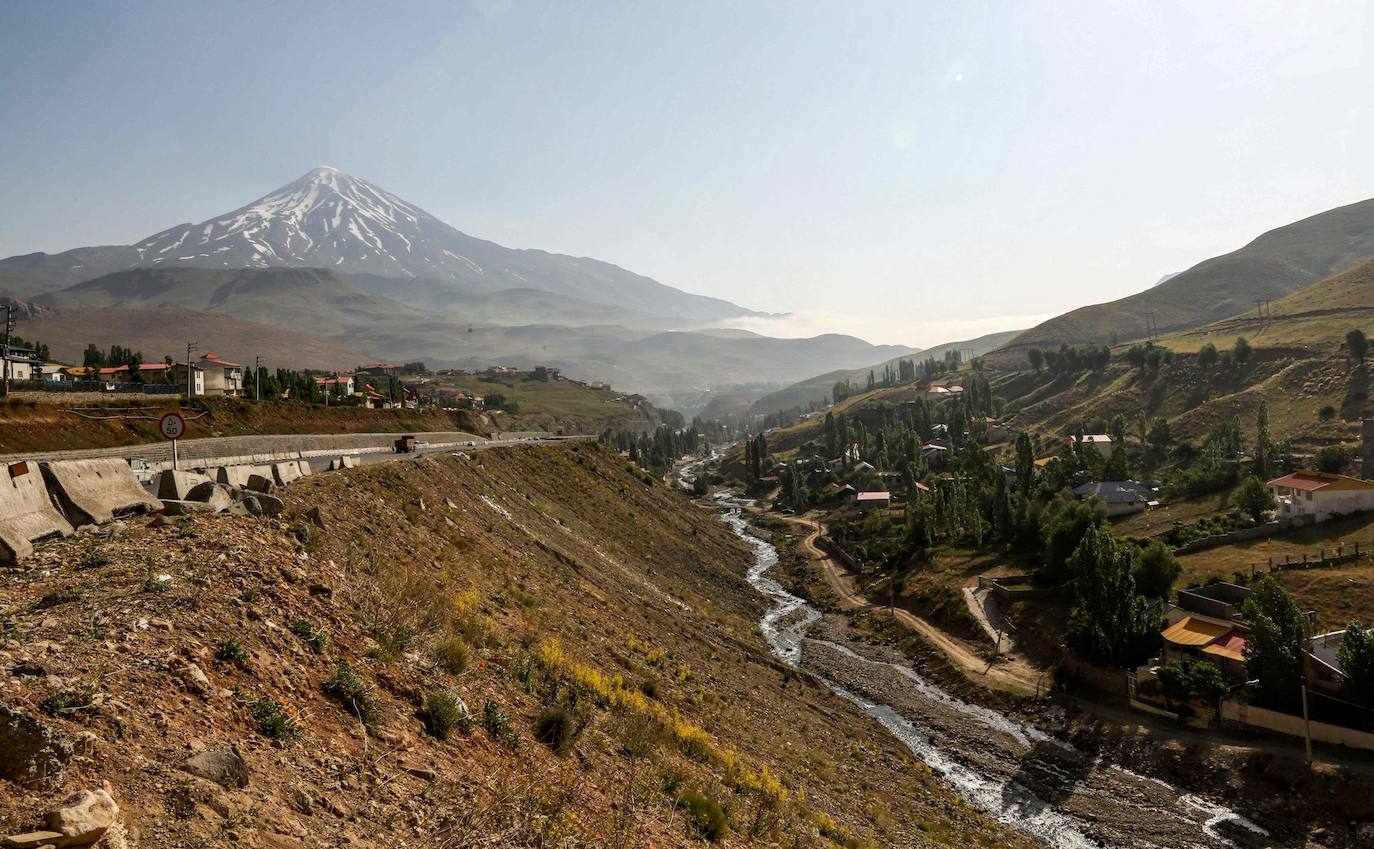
{"x": 545, "y": 373}
{"x": 935, "y": 455}
{"x": 1121, "y": 497}
{"x": 873, "y": 500}
{"x": 19, "y": 364}
{"x": 1207, "y": 624}
{"x": 56, "y": 373}
{"x": 1101, "y": 441}
{"x": 147, "y": 373}
{"x": 328, "y": 382}
{"x": 378, "y": 370}
{"x": 1311, "y": 496}
{"x": 197, "y": 379}
{"x": 221, "y": 376}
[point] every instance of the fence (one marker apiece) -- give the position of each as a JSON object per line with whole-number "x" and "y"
{"x": 1283, "y": 723}
{"x": 117, "y": 388}
{"x": 1322, "y": 558}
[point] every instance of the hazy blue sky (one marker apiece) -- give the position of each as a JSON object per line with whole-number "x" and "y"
{"x": 909, "y": 172}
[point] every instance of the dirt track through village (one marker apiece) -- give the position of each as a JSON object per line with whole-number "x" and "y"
{"x": 1017, "y": 774}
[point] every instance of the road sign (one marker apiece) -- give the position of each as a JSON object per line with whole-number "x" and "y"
{"x": 172, "y": 425}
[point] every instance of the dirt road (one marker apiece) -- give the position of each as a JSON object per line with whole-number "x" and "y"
{"x": 1007, "y": 673}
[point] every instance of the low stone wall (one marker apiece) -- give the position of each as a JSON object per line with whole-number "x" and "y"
{"x": 1249, "y": 716}
{"x": 1268, "y": 529}
{"x": 1006, "y": 588}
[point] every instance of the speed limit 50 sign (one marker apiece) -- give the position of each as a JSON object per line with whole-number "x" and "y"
{"x": 172, "y": 425}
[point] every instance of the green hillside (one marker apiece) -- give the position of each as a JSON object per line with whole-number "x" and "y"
{"x": 1272, "y": 266}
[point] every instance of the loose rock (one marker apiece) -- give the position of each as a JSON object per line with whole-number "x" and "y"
{"x": 225, "y": 767}
{"x": 31, "y": 753}
{"x": 84, "y": 817}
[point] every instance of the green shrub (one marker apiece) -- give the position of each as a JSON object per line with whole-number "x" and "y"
{"x": 555, "y": 728}
{"x": 1187, "y": 680}
{"x": 277, "y": 719}
{"x": 704, "y": 815}
{"x": 350, "y": 689}
{"x": 68, "y": 703}
{"x": 315, "y": 637}
{"x": 232, "y": 652}
{"x": 496, "y": 721}
{"x": 444, "y": 712}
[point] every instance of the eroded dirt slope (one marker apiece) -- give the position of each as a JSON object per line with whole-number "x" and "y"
{"x": 553, "y": 592}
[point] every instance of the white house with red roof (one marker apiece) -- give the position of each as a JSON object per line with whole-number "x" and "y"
{"x": 1313, "y": 496}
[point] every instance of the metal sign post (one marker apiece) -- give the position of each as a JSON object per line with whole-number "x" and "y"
{"x": 172, "y": 426}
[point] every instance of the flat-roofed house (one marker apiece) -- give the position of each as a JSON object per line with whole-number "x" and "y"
{"x": 1307, "y": 495}
{"x": 873, "y": 500}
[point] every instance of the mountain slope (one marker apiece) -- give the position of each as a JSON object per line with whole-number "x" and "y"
{"x": 329, "y": 219}
{"x": 818, "y": 388}
{"x": 159, "y": 332}
{"x": 320, "y": 302}
{"x": 1277, "y": 263}
{"x": 1313, "y": 319}
{"x": 536, "y": 581}
{"x": 310, "y": 299}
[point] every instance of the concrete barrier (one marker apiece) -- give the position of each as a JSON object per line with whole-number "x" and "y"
{"x": 27, "y": 514}
{"x": 235, "y": 476}
{"x": 304, "y": 467}
{"x": 174, "y": 485}
{"x": 284, "y": 473}
{"x": 93, "y": 492}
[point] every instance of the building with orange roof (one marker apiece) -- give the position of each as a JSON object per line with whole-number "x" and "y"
{"x": 1311, "y": 496}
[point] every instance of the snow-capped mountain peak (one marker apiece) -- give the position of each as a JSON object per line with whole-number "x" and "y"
{"x": 330, "y": 219}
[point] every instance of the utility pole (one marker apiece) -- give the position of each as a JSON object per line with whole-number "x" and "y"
{"x": 257, "y": 378}
{"x": 5, "y": 349}
{"x": 190, "y": 385}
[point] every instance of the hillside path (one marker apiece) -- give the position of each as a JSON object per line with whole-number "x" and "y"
{"x": 1010, "y": 673}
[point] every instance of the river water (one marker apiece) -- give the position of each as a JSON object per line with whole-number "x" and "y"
{"x": 1015, "y": 773}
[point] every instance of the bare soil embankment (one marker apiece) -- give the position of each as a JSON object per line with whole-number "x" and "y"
{"x": 597, "y": 628}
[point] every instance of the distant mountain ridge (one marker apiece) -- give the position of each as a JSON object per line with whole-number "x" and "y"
{"x": 819, "y": 388}
{"x": 1275, "y": 264}
{"x": 322, "y": 303}
{"x": 329, "y": 219}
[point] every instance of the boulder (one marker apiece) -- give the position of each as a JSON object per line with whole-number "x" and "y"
{"x": 315, "y": 516}
{"x": 271, "y": 505}
{"x": 260, "y": 483}
{"x": 84, "y": 817}
{"x": 207, "y": 491}
{"x": 176, "y": 486}
{"x": 253, "y": 505}
{"x": 31, "y": 754}
{"x": 185, "y": 508}
{"x": 225, "y": 767}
